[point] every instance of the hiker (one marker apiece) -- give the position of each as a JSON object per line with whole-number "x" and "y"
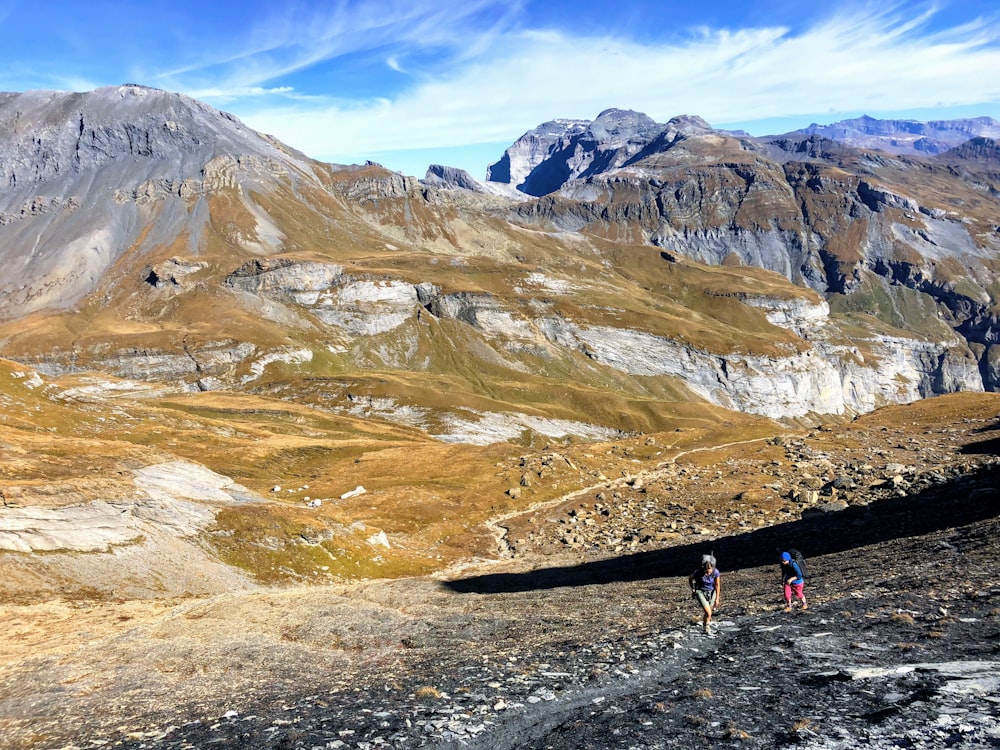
{"x": 793, "y": 581}
{"x": 706, "y": 587}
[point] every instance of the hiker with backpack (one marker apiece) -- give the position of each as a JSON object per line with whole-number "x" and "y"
{"x": 793, "y": 578}
{"x": 706, "y": 588}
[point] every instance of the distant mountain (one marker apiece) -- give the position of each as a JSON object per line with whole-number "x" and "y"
{"x": 556, "y": 152}
{"x": 543, "y": 159}
{"x": 985, "y": 151}
{"x": 905, "y": 136}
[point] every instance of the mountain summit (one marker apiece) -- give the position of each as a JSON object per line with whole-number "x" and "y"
{"x": 88, "y": 176}
{"x": 546, "y": 157}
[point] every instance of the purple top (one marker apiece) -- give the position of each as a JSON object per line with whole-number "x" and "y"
{"x": 707, "y": 580}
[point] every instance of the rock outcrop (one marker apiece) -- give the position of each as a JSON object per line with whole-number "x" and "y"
{"x": 451, "y": 177}
{"x": 176, "y": 498}
{"x": 827, "y": 377}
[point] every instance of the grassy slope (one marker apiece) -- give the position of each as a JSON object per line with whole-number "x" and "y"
{"x": 403, "y": 236}
{"x": 430, "y": 498}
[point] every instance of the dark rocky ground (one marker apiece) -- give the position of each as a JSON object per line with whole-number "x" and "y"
{"x": 592, "y": 641}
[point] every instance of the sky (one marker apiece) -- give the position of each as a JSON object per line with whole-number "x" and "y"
{"x": 407, "y": 84}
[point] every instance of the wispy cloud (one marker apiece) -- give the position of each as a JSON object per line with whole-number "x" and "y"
{"x": 349, "y": 78}
{"x": 879, "y": 60}
{"x": 297, "y": 37}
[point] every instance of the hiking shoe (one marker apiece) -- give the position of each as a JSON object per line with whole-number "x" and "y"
{"x": 788, "y": 609}
{"x": 805, "y": 607}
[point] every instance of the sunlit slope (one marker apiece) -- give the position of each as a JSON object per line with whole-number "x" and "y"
{"x": 164, "y": 315}
{"x": 697, "y": 274}
{"x": 110, "y": 486}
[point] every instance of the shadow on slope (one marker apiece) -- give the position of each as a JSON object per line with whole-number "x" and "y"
{"x": 971, "y": 498}
{"x": 988, "y": 447}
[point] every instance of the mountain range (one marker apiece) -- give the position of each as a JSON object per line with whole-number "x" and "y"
{"x": 603, "y": 274}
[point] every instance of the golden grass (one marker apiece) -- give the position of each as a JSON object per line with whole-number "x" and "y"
{"x": 429, "y": 499}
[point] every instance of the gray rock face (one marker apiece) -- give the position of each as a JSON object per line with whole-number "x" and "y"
{"x": 828, "y": 378}
{"x": 359, "y": 306}
{"x": 451, "y": 177}
{"x": 84, "y": 176}
{"x": 905, "y": 136}
{"x": 282, "y": 275}
{"x": 533, "y": 148}
{"x": 53, "y": 135}
{"x": 556, "y": 152}
{"x": 216, "y": 359}
{"x": 979, "y": 149}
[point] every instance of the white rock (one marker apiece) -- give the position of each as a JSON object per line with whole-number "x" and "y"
{"x": 175, "y": 498}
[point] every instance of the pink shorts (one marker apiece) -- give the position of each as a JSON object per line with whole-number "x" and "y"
{"x": 793, "y": 588}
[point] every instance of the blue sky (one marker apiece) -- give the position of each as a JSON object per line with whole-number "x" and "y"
{"x": 435, "y": 81}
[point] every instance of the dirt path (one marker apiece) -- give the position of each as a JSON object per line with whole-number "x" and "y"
{"x": 499, "y": 532}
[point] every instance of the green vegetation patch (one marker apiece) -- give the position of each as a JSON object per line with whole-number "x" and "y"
{"x": 906, "y": 311}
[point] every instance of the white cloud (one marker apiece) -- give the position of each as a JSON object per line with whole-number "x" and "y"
{"x": 223, "y": 95}
{"x": 875, "y": 60}
{"x": 295, "y": 37}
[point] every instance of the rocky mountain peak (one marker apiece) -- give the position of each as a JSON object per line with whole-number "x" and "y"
{"x": 905, "y": 136}
{"x": 451, "y": 177}
{"x": 532, "y": 148}
{"x": 555, "y": 152}
{"x": 812, "y": 147}
{"x": 689, "y": 125}
{"x": 975, "y": 149}
{"x": 53, "y": 135}
{"x": 621, "y": 125}
{"x": 84, "y": 175}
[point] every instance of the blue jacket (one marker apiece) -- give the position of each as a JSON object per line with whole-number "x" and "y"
{"x": 792, "y": 573}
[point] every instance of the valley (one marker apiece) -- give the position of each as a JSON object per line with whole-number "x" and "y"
{"x": 551, "y": 630}
{"x": 305, "y": 455}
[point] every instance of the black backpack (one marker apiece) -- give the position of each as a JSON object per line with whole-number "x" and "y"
{"x": 799, "y": 560}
